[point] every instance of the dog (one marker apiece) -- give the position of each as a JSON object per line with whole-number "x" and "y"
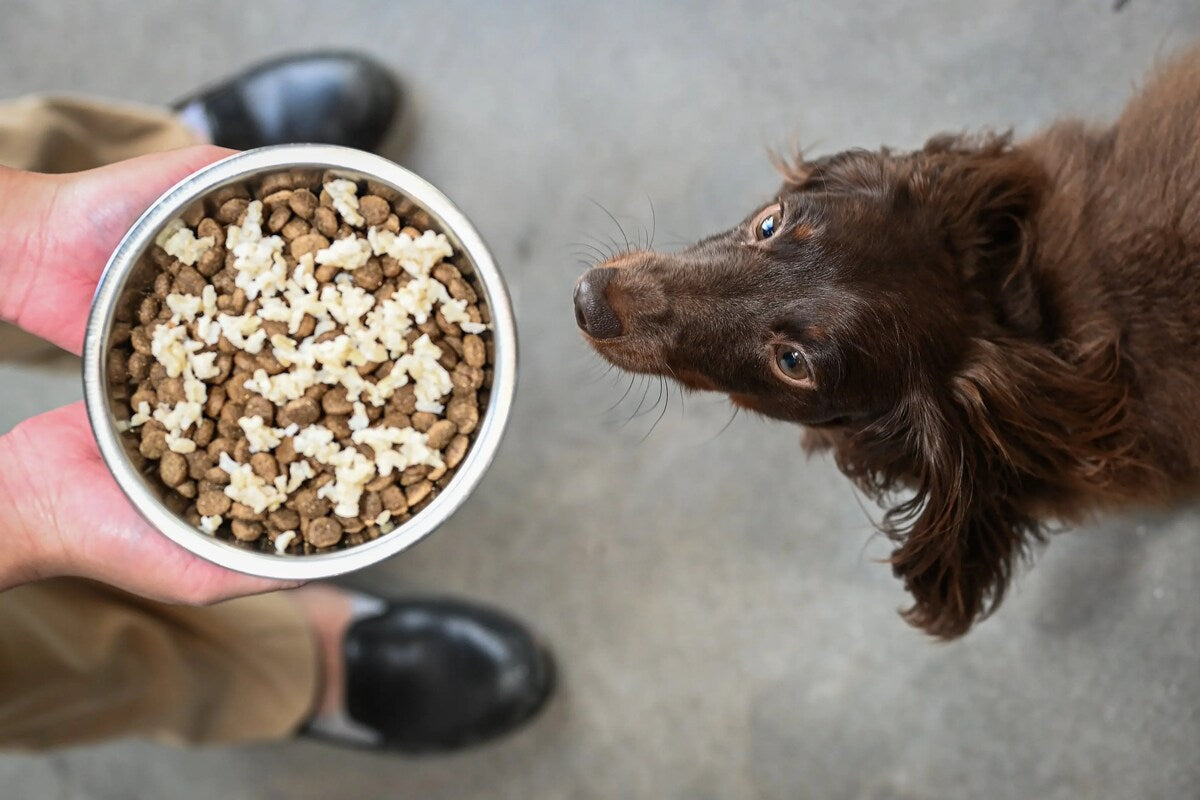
{"x": 989, "y": 335}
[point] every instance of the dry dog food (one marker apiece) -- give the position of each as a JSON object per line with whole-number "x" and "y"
{"x": 309, "y": 365}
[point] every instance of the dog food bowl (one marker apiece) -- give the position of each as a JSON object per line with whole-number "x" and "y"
{"x": 127, "y": 277}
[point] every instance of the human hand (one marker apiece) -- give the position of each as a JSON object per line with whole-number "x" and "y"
{"x": 61, "y": 512}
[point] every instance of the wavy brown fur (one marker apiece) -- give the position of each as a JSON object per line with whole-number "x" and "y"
{"x": 997, "y": 335}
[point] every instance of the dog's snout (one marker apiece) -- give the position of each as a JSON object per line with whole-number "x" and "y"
{"x": 593, "y": 312}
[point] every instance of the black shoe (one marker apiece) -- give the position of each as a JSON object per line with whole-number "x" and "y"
{"x": 325, "y": 97}
{"x": 435, "y": 675}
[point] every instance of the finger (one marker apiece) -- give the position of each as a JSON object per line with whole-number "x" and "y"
{"x": 71, "y": 240}
{"x": 86, "y": 526}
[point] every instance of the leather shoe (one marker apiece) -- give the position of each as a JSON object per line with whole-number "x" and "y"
{"x": 322, "y": 97}
{"x": 436, "y": 674}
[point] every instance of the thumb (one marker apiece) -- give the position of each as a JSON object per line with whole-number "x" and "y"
{"x": 87, "y": 215}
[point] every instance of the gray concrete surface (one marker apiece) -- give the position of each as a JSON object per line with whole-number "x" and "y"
{"x": 722, "y": 628}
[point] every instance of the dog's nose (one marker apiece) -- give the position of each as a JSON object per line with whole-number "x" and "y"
{"x": 592, "y": 310}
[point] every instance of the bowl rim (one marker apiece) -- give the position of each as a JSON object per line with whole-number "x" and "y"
{"x": 246, "y": 165}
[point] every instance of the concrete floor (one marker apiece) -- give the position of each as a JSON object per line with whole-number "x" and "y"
{"x": 722, "y": 626}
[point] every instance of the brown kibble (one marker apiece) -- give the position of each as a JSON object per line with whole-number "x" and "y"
{"x": 302, "y": 412}
{"x": 171, "y": 391}
{"x": 139, "y": 338}
{"x": 138, "y": 366}
{"x": 445, "y": 326}
{"x": 394, "y": 499}
{"x": 244, "y": 513}
{"x": 448, "y": 359}
{"x": 215, "y": 402}
{"x": 186, "y": 489}
{"x": 199, "y": 464}
{"x": 244, "y": 362}
{"x": 444, "y": 273}
{"x": 236, "y": 389}
{"x": 308, "y": 324}
{"x": 323, "y": 532}
{"x": 375, "y": 210}
{"x": 279, "y": 217}
{"x": 210, "y": 227}
{"x": 245, "y": 531}
{"x": 147, "y": 310}
{"x": 283, "y": 519}
{"x": 118, "y": 367}
{"x": 144, "y": 394}
{"x": 392, "y": 224}
{"x": 440, "y": 434}
{"x": 154, "y": 441}
{"x": 391, "y": 267}
{"x": 381, "y": 482}
{"x": 277, "y": 199}
{"x": 417, "y": 492}
{"x": 414, "y": 474}
{"x": 268, "y": 363}
{"x": 259, "y": 406}
{"x": 264, "y": 466}
{"x": 423, "y": 420}
{"x": 286, "y": 453}
{"x": 212, "y": 504}
{"x": 276, "y": 182}
{"x": 335, "y": 402}
{"x": 221, "y": 195}
{"x": 372, "y": 507}
{"x": 189, "y": 281}
{"x": 220, "y": 445}
{"x": 454, "y": 452}
{"x": 325, "y": 220}
{"x": 370, "y": 275}
{"x": 192, "y": 215}
{"x": 173, "y": 468}
{"x": 295, "y": 228}
{"x": 211, "y": 262}
{"x": 326, "y": 272}
{"x": 474, "y": 351}
{"x": 215, "y": 480}
{"x": 403, "y": 400}
{"x": 303, "y": 203}
{"x": 309, "y": 505}
{"x": 339, "y": 424}
{"x": 394, "y": 419}
{"x": 437, "y": 472}
{"x": 308, "y": 243}
{"x": 205, "y": 433}
{"x": 241, "y": 451}
{"x": 316, "y": 392}
{"x": 459, "y": 290}
{"x": 232, "y": 210}
{"x": 225, "y": 282}
{"x": 227, "y": 421}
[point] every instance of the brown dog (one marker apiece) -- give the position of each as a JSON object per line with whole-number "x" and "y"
{"x": 1009, "y": 331}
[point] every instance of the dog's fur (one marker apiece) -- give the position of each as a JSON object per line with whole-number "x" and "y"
{"x": 1011, "y": 332}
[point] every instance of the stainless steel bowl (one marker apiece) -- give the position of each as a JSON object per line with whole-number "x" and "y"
{"x": 125, "y": 278}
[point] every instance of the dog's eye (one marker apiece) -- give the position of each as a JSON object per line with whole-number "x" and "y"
{"x": 767, "y": 222}
{"x": 791, "y": 364}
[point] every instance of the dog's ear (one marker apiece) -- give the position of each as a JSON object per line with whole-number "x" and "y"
{"x": 985, "y": 195}
{"x": 1021, "y": 430}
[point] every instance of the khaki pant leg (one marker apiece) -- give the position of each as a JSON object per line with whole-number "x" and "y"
{"x": 81, "y": 662}
{"x": 67, "y": 134}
